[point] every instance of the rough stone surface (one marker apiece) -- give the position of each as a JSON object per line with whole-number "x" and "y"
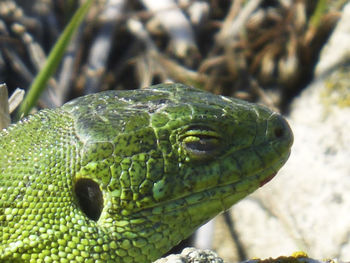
{"x": 192, "y": 255}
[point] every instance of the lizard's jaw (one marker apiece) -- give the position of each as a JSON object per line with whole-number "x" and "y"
{"x": 198, "y": 207}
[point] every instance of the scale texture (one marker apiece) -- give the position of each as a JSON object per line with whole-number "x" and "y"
{"x": 123, "y": 176}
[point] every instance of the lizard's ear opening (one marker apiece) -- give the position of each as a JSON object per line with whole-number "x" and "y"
{"x": 89, "y": 197}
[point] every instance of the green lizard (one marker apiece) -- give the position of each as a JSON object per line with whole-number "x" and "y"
{"x": 122, "y": 176}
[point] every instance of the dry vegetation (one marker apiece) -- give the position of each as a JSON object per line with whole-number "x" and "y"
{"x": 237, "y": 48}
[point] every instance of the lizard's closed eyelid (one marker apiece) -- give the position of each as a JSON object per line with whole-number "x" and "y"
{"x": 201, "y": 142}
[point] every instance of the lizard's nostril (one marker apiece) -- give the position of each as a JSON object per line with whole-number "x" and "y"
{"x": 89, "y": 197}
{"x": 279, "y": 131}
{"x": 278, "y": 128}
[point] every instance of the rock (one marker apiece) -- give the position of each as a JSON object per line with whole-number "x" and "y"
{"x": 192, "y": 255}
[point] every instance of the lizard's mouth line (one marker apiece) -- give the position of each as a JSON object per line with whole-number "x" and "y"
{"x": 226, "y": 194}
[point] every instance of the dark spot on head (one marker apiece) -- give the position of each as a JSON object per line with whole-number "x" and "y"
{"x": 163, "y": 101}
{"x": 89, "y": 197}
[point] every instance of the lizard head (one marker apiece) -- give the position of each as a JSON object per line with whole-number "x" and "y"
{"x": 158, "y": 163}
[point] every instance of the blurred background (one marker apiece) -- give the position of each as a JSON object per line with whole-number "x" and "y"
{"x": 255, "y": 50}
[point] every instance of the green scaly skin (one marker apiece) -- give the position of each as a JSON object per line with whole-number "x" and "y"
{"x": 123, "y": 176}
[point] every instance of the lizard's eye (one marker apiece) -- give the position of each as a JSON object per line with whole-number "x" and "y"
{"x": 200, "y": 142}
{"x": 89, "y": 197}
